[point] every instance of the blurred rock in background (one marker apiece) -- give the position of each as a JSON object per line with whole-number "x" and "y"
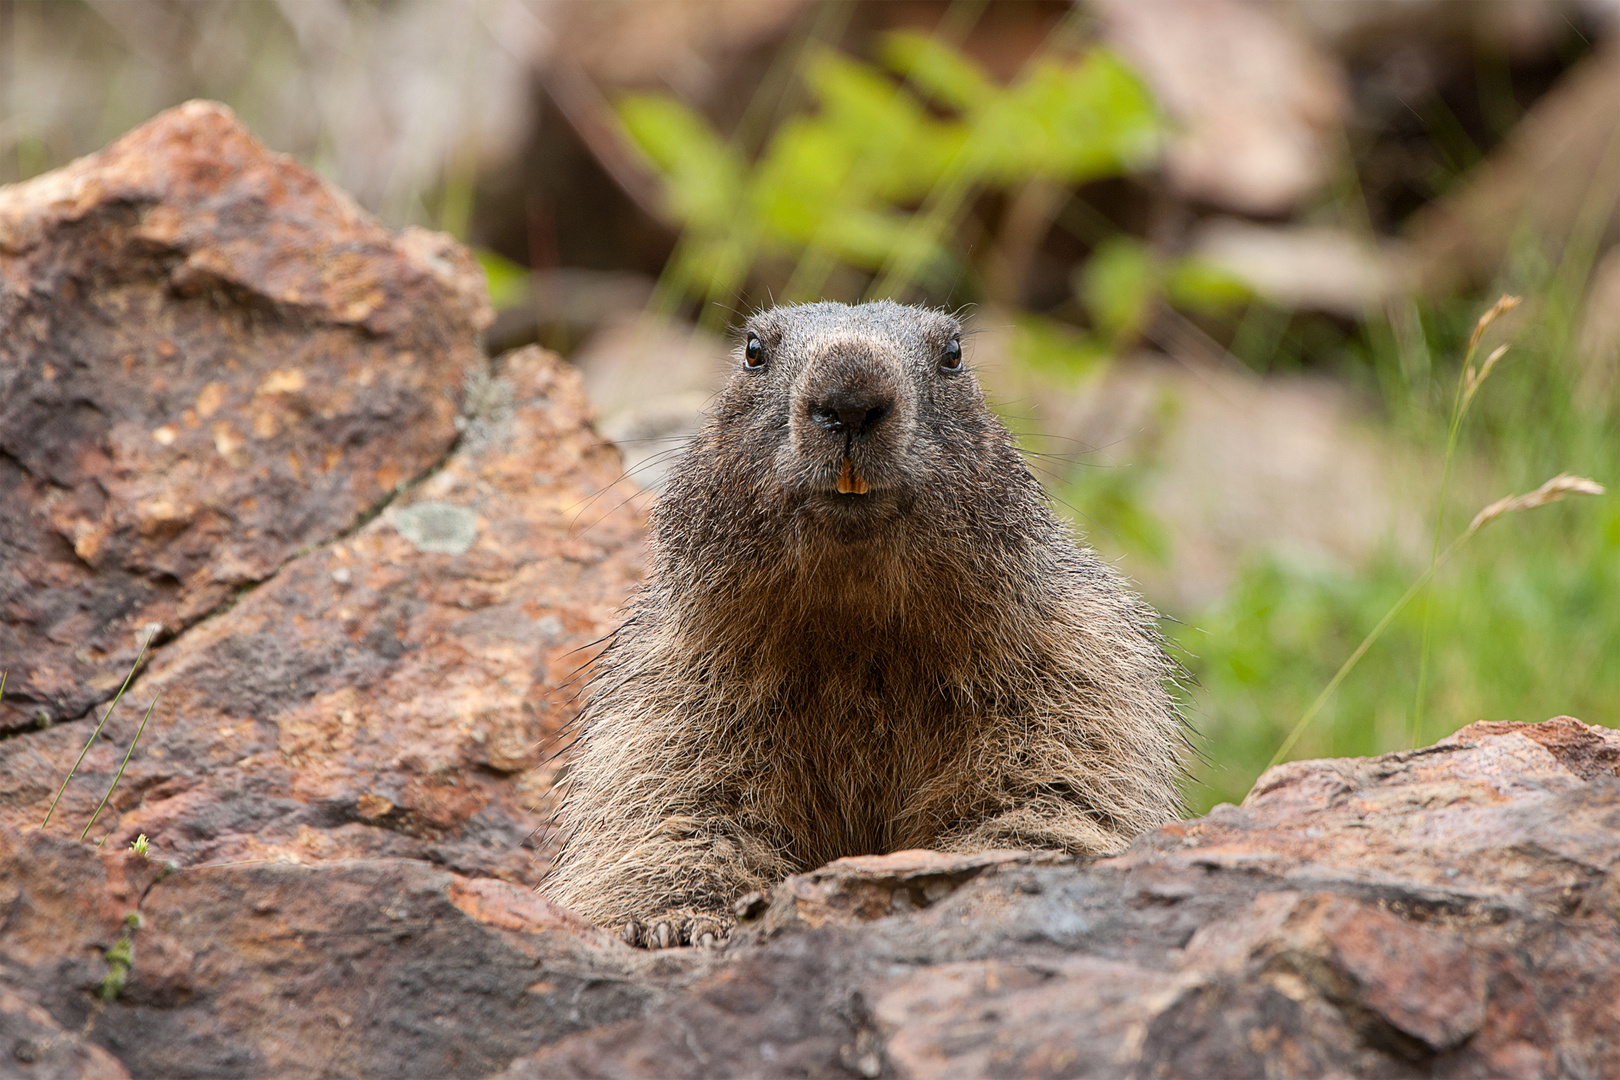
{"x": 1556, "y": 178}
{"x": 1307, "y": 267}
{"x": 1257, "y": 107}
{"x": 651, "y": 379}
{"x": 1223, "y": 467}
{"x": 1600, "y": 326}
{"x": 397, "y": 103}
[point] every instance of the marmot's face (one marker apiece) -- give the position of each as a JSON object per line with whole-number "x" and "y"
{"x": 854, "y": 415}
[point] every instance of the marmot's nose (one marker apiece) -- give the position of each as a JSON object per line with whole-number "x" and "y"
{"x": 856, "y": 413}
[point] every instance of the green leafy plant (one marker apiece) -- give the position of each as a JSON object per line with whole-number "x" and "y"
{"x": 877, "y": 176}
{"x": 509, "y": 283}
{"x": 120, "y": 959}
{"x": 1125, "y": 280}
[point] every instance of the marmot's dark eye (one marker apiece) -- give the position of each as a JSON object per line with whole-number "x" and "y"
{"x": 951, "y": 362}
{"x": 754, "y": 352}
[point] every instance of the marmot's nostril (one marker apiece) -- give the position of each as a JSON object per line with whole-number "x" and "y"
{"x": 859, "y": 415}
{"x": 872, "y": 417}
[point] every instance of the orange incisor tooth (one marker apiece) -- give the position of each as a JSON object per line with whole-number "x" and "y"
{"x": 850, "y": 480}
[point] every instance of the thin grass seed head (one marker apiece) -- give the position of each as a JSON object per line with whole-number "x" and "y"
{"x": 1474, "y": 379}
{"x": 1503, "y": 305}
{"x": 1554, "y": 490}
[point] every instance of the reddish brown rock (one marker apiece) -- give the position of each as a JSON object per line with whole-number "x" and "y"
{"x": 215, "y": 372}
{"x": 253, "y": 353}
{"x": 380, "y": 695}
{"x": 35, "y": 1047}
{"x": 361, "y": 968}
{"x": 1447, "y": 912}
{"x": 210, "y": 359}
{"x": 866, "y": 887}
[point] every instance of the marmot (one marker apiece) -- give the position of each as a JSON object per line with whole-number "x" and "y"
{"x": 864, "y": 631}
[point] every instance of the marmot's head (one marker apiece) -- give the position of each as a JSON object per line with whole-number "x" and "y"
{"x": 852, "y": 416}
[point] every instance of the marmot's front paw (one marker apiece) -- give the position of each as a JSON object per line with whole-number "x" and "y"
{"x": 669, "y": 929}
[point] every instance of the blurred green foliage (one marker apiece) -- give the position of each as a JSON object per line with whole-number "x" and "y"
{"x": 877, "y": 176}
{"x": 1524, "y": 628}
{"x": 1123, "y": 281}
{"x": 509, "y": 283}
{"x": 1524, "y": 623}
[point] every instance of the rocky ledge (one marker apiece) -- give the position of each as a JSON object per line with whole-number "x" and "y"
{"x": 243, "y": 424}
{"x": 1448, "y": 911}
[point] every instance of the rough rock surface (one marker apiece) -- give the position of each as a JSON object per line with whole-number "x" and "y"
{"x": 387, "y": 688}
{"x": 209, "y": 360}
{"x": 1450, "y": 911}
{"x": 390, "y": 692}
{"x": 383, "y": 563}
{"x": 345, "y": 782}
{"x": 384, "y": 967}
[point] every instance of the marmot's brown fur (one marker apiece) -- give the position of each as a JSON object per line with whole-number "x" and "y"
{"x": 864, "y": 631}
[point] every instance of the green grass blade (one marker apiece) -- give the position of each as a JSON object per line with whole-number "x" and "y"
{"x": 1468, "y": 384}
{"x": 92, "y": 740}
{"x": 120, "y": 774}
{"x": 1459, "y": 406}
{"x": 1366, "y": 643}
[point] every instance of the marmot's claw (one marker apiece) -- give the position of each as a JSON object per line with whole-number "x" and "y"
{"x": 706, "y": 931}
{"x": 676, "y": 928}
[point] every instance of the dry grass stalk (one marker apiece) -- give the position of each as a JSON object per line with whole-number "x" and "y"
{"x": 1473, "y": 379}
{"x": 1503, "y": 305}
{"x": 1468, "y": 384}
{"x": 1552, "y": 491}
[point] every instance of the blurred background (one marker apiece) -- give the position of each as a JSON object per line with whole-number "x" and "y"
{"x": 1222, "y": 260}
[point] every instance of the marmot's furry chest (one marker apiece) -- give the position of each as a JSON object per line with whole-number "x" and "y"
{"x": 859, "y": 766}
